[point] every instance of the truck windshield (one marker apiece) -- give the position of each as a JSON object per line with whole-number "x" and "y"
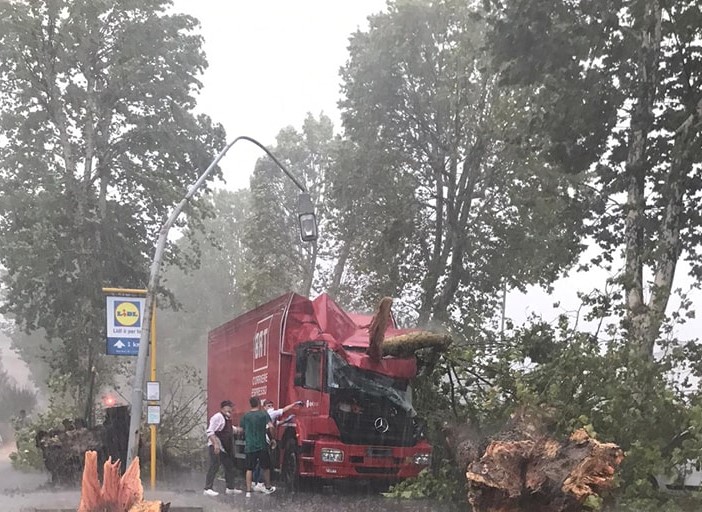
{"x": 342, "y": 375}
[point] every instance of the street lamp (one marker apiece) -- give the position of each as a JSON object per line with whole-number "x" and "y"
{"x": 308, "y": 233}
{"x": 306, "y": 217}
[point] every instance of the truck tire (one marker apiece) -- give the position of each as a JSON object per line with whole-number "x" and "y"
{"x": 291, "y": 466}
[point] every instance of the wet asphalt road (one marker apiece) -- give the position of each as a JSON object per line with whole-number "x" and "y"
{"x": 24, "y": 492}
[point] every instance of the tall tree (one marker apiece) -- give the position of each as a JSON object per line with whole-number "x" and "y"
{"x": 99, "y": 141}
{"x": 456, "y": 207}
{"x": 277, "y": 260}
{"x": 617, "y": 91}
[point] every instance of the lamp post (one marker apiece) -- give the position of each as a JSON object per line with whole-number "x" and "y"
{"x": 308, "y": 233}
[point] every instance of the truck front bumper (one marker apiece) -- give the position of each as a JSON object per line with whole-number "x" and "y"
{"x": 330, "y": 458}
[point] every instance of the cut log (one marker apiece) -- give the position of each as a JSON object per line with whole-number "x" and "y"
{"x": 521, "y": 468}
{"x": 407, "y": 345}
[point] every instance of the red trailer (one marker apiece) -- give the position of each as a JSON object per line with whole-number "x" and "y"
{"x": 357, "y": 420}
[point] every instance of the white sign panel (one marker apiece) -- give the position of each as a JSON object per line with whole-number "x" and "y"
{"x": 153, "y": 414}
{"x": 153, "y": 391}
{"x": 124, "y": 322}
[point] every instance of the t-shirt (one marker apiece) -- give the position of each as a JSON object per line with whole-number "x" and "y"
{"x": 275, "y": 414}
{"x": 254, "y": 424}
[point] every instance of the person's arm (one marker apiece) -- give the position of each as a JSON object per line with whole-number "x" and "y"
{"x": 216, "y": 424}
{"x": 290, "y": 406}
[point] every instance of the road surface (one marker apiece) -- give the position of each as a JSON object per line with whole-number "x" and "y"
{"x": 27, "y": 492}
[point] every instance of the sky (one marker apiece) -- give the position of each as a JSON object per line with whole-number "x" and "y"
{"x": 270, "y": 63}
{"x": 273, "y": 61}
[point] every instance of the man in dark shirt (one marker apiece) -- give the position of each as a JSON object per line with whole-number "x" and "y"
{"x": 255, "y": 424}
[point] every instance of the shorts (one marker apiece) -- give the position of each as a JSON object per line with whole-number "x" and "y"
{"x": 261, "y": 456}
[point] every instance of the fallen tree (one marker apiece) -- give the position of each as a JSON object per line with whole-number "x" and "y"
{"x": 63, "y": 449}
{"x": 522, "y": 468}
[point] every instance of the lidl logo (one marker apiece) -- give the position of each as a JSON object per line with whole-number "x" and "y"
{"x": 127, "y": 314}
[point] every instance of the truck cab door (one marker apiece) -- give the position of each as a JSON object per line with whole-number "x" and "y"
{"x": 309, "y": 376}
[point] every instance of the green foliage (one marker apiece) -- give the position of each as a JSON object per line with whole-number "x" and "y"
{"x": 572, "y": 380}
{"x": 686, "y": 503}
{"x": 444, "y": 483}
{"x": 277, "y": 261}
{"x": 613, "y": 94}
{"x": 28, "y": 457}
{"x": 451, "y": 203}
{"x": 99, "y": 141}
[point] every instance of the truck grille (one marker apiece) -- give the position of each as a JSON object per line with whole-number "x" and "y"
{"x": 362, "y": 430}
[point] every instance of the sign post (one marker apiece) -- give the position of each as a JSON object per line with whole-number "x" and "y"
{"x": 125, "y": 311}
{"x": 152, "y": 426}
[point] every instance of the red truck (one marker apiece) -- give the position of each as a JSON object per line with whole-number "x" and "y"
{"x": 357, "y": 420}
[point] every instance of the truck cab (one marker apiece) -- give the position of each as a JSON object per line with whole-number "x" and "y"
{"x": 357, "y": 418}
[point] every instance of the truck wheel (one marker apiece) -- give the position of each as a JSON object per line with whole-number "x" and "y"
{"x": 291, "y": 466}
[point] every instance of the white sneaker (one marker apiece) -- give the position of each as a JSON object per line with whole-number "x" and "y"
{"x": 258, "y": 487}
{"x": 210, "y": 492}
{"x": 248, "y": 494}
{"x": 233, "y": 491}
{"x": 268, "y": 490}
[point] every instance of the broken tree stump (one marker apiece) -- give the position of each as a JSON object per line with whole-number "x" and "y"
{"x": 117, "y": 494}
{"x": 521, "y": 468}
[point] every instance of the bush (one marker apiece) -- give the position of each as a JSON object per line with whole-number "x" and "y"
{"x": 443, "y": 484}
{"x": 28, "y": 457}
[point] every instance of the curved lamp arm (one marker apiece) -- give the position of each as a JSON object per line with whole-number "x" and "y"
{"x": 308, "y": 233}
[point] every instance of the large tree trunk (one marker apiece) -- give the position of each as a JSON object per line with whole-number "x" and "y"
{"x": 522, "y": 468}
{"x": 638, "y": 316}
{"x": 339, "y": 268}
{"x": 436, "y": 261}
{"x": 669, "y": 241}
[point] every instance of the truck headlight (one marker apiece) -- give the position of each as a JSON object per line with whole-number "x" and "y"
{"x": 332, "y": 455}
{"x": 422, "y": 459}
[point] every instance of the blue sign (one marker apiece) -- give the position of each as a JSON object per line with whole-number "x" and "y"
{"x": 122, "y": 347}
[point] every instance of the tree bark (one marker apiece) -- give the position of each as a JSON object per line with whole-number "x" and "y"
{"x": 669, "y": 242}
{"x": 435, "y": 264}
{"x": 522, "y": 468}
{"x": 638, "y": 316}
{"x": 339, "y": 268}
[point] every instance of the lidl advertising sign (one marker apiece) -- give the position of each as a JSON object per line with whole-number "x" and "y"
{"x": 124, "y": 316}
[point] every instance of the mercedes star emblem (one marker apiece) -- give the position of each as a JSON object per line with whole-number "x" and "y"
{"x": 381, "y": 425}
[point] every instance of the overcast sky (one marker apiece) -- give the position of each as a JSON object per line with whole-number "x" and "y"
{"x": 272, "y": 62}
